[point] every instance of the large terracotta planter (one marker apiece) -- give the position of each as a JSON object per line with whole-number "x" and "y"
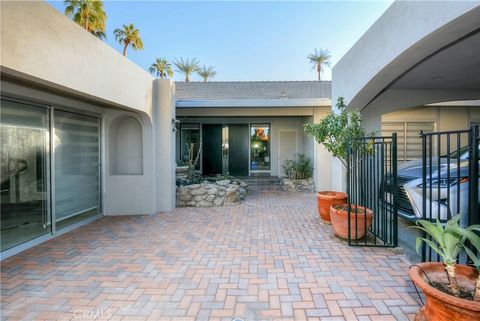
{"x": 440, "y": 306}
{"x": 326, "y": 199}
{"x": 339, "y": 217}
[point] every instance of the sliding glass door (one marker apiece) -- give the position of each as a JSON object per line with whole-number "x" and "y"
{"x": 25, "y": 210}
{"x": 77, "y": 167}
{"x": 50, "y": 170}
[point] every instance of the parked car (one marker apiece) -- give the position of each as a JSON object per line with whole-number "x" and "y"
{"x": 412, "y": 171}
{"x": 446, "y": 193}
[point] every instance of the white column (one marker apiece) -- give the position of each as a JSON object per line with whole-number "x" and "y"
{"x": 322, "y": 158}
{"x": 163, "y": 112}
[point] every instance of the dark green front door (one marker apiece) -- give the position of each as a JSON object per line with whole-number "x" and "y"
{"x": 238, "y": 149}
{"x": 212, "y": 149}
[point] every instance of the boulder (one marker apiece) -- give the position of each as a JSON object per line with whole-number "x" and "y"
{"x": 219, "y": 201}
{"x": 210, "y": 198}
{"x": 224, "y": 182}
{"x": 198, "y": 191}
{"x": 204, "y": 204}
{"x": 184, "y": 197}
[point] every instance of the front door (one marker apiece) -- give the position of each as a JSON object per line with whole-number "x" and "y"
{"x": 212, "y": 149}
{"x": 238, "y": 150}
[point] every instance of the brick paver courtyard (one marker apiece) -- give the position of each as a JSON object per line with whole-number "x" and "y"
{"x": 269, "y": 258}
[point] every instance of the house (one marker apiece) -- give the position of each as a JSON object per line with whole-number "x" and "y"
{"x": 251, "y": 128}
{"x": 85, "y": 132}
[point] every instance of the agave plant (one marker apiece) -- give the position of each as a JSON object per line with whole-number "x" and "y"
{"x": 475, "y": 241}
{"x": 447, "y": 242}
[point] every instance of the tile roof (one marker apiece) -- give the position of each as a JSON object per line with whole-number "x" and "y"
{"x": 253, "y": 90}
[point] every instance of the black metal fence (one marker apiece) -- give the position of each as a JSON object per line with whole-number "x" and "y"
{"x": 372, "y": 206}
{"x": 450, "y": 180}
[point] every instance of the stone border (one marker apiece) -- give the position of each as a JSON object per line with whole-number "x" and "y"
{"x": 298, "y": 185}
{"x": 208, "y": 194}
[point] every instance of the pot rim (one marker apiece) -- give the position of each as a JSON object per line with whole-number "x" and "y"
{"x": 331, "y": 194}
{"x": 416, "y": 274}
{"x": 361, "y": 211}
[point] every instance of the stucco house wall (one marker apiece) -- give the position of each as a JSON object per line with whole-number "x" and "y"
{"x": 47, "y": 57}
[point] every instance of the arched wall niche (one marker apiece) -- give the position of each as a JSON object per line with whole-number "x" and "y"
{"x": 126, "y": 146}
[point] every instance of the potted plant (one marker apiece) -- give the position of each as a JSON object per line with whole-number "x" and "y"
{"x": 182, "y": 169}
{"x": 360, "y": 220}
{"x": 334, "y": 133}
{"x": 452, "y": 291}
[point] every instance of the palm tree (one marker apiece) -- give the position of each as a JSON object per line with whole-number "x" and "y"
{"x": 206, "y": 72}
{"x": 161, "y": 67}
{"x": 319, "y": 59}
{"x": 89, "y": 14}
{"x": 128, "y": 36}
{"x": 187, "y": 66}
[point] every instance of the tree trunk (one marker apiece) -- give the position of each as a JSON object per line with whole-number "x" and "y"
{"x": 187, "y": 79}
{"x": 319, "y": 71}
{"x": 125, "y": 50}
{"x": 453, "y": 286}
{"x": 477, "y": 289}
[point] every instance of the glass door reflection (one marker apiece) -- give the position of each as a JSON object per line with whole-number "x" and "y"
{"x": 260, "y": 147}
{"x": 25, "y": 213}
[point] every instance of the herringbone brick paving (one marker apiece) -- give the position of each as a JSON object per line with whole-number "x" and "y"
{"x": 269, "y": 258}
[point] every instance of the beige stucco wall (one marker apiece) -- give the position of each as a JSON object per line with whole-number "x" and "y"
{"x": 121, "y": 194}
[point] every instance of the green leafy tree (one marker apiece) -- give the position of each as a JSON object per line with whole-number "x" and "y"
{"x": 89, "y": 14}
{"x": 128, "y": 36}
{"x": 161, "y": 68}
{"x": 187, "y": 67}
{"x": 320, "y": 58}
{"x": 336, "y": 130}
{"x": 206, "y": 72}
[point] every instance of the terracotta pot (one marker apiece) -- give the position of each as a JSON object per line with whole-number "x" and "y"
{"x": 339, "y": 217}
{"x": 440, "y": 306}
{"x": 326, "y": 199}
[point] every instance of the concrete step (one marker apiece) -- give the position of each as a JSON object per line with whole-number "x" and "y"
{"x": 263, "y": 182}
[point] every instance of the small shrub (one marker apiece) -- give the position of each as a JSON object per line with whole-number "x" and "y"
{"x": 299, "y": 168}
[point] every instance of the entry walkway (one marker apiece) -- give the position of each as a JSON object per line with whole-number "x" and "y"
{"x": 269, "y": 258}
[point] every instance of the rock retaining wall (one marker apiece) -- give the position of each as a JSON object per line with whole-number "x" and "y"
{"x": 208, "y": 194}
{"x": 298, "y": 185}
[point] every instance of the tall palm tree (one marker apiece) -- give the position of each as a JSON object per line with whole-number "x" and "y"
{"x": 319, "y": 59}
{"x": 206, "y": 72}
{"x": 128, "y": 36}
{"x": 161, "y": 67}
{"x": 187, "y": 67}
{"x": 89, "y": 14}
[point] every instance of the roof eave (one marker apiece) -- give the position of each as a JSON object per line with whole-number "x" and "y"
{"x": 248, "y": 103}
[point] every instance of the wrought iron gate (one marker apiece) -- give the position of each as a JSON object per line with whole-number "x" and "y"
{"x": 372, "y": 196}
{"x": 450, "y": 180}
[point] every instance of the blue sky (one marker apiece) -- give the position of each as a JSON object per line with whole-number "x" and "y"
{"x": 243, "y": 40}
